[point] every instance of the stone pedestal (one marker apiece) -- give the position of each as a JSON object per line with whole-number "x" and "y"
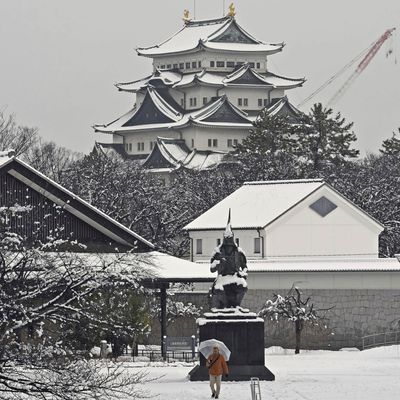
{"x": 243, "y": 333}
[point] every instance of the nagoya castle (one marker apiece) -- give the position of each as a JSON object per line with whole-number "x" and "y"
{"x": 210, "y": 80}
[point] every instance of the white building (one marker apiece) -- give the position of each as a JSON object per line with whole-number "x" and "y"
{"x": 295, "y": 220}
{"x": 209, "y": 82}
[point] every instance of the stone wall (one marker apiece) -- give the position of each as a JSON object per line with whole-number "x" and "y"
{"x": 353, "y": 314}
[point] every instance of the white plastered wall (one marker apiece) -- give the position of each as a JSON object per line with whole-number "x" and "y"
{"x": 146, "y": 137}
{"x": 200, "y": 136}
{"x": 303, "y": 232}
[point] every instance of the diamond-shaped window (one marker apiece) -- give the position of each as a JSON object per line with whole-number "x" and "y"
{"x": 323, "y": 206}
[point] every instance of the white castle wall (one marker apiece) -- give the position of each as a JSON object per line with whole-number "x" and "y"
{"x": 201, "y": 135}
{"x": 205, "y": 58}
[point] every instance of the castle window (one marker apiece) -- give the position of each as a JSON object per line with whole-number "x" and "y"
{"x": 130, "y": 146}
{"x": 258, "y": 65}
{"x": 204, "y": 100}
{"x": 212, "y": 64}
{"x": 246, "y": 102}
{"x": 181, "y": 65}
{"x": 194, "y": 101}
{"x": 192, "y": 143}
{"x": 212, "y": 142}
{"x": 194, "y": 64}
{"x": 220, "y": 64}
{"x": 168, "y": 66}
{"x": 191, "y": 102}
{"x": 140, "y": 146}
{"x": 188, "y": 65}
{"x": 257, "y": 245}
{"x": 218, "y": 242}
{"x": 230, "y": 64}
{"x": 252, "y": 65}
{"x": 199, "y": 64}
{"x": 175, "y": 66}
{"x": 232, "y": 142}
{"x": 240, "y": 102}
{"x": 260, "y": 102}
{"x": 199, "y": 246}
{"x": 163, "y": 66}
{"x": 182, "y": 102}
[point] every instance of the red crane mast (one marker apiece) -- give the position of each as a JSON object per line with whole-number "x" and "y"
{"x": 362, "y": 65}
{"x": 368, "y": 54}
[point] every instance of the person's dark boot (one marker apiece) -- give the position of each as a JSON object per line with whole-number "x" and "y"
{"x": 213, "y": 395}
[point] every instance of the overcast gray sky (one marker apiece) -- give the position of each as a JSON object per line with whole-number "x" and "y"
{"x": 60, "y": 59}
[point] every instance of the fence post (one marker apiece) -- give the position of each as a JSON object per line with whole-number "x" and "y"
{"x": 193, "y": 346}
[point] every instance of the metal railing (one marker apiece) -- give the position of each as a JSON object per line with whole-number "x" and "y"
{"x": 380, "y": 339}
{"x": 170, "y": 356}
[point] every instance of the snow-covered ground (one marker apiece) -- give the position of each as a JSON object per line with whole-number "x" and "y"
{"x": 314, "y": 375}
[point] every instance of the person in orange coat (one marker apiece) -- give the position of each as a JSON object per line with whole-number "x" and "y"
{"x": 217, "y": 367}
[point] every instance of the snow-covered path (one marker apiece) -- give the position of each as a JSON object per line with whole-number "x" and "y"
{"x": 315, "y": 375}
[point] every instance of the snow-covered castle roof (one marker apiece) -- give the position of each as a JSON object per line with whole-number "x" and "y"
{"x": 223, "y": 35}
{"x": 243, "y": 75}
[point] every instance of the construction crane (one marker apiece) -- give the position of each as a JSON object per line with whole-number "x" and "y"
{"x": 368, "y": 54}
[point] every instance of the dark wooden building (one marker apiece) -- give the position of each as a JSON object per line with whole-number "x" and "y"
{"x": 40, "y": 210}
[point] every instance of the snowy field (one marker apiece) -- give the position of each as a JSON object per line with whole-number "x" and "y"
{"x": 314, "y": 375}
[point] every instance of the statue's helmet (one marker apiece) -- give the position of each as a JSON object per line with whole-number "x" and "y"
{"x": 228, "y": 234}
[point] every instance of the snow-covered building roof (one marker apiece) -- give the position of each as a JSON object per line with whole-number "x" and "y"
{"x": 222, "y": 35}
{"x": 244, "y": 75}
{"x": 158, "y": 111}
{"x": 257, "y": 204}
{"x": 284, "y": 108}
{"x": 171, "y": 154}
{"x": 73, "y": 204}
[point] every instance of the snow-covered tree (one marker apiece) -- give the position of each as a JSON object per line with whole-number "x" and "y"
{"x": 324, "y": 138}
{"x": 50, "y": 159}
{"x": 15, "y": 137}
{"x": 391, "y": 147}
{"x": 43, "y": 294}
{"x": 270, "y": 135}
{"x": 293, "y": 308}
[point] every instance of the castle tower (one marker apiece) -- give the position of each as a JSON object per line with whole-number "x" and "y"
{"x": 209, "y": 82}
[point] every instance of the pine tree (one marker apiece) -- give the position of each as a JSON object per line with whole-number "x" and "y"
{"x": 324, "y": 138}
{"x": 270, "y": 135}
{"x": 391, "y": 147}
